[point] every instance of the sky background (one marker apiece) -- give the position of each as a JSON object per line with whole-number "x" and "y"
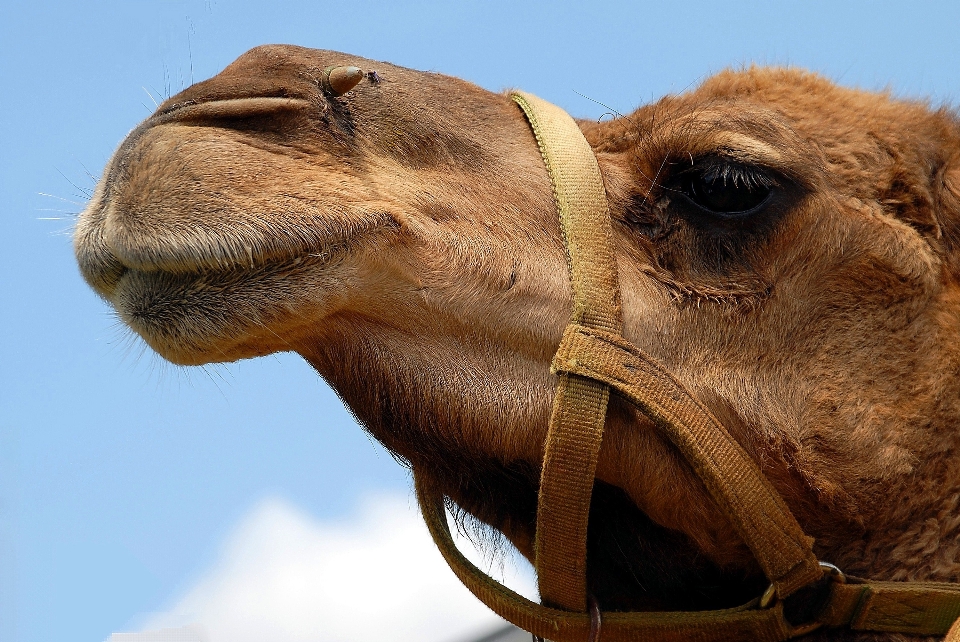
{"x": 244, "y": 499}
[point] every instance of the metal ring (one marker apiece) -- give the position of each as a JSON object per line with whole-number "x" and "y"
{"x": 835, "y": 574}
{"x": 595, "y": 619}
{"x": 768, "y": 596}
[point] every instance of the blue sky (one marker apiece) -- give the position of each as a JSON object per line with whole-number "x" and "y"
{"x": 123, "y": 478}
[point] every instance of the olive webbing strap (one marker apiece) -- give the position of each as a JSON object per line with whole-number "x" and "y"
{"x": 916, "y": 608}
{"x": 584, "y": 216}
{"x": 575, "y": 431}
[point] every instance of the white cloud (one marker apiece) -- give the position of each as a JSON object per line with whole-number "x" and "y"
{"x": 285, "y": 576}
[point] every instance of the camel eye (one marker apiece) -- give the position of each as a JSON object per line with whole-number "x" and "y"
{"x": 726, "y": 189}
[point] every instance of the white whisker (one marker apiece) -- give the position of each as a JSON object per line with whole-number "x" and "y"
{"x": 155, "y": 104}
{"x": 60, "y": 198}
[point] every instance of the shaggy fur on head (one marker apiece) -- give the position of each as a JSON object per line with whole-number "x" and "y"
{"x": 403, "y": 239}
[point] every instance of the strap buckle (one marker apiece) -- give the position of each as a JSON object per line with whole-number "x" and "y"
{"x": 809, "y": 611}
{"x": 829, "y": 570}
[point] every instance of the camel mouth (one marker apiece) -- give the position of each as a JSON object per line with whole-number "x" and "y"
{"x": 107, "y": 253}
{"x": 200, "y": 296}
{"x": 194, "y": 310}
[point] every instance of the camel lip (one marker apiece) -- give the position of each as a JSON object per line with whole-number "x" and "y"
{"x": 184, "y": 314}
{"x": 108, "y": 273}
{"x": 243, "y": 258}
{"x": 227, "y": 253}
{"x": 235, "y": 276}
{"x": 105, "y": 266}
{"x": 253, "y": 263}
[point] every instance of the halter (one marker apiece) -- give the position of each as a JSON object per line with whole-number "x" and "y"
{"x": 593, "y": 358}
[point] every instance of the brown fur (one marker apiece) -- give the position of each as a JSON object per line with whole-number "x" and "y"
{"x": 403, "y": 239}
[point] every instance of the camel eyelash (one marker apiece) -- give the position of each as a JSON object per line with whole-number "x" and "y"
{"x": 730, "y": 172}
{"x": 724, "y": 188}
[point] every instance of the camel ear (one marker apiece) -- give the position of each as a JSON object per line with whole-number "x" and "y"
{"x": 948, "y": 213}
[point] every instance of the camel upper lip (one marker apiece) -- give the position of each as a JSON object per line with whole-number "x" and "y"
{"x": 105, "y": 271}
{"x": 103, "y": 265}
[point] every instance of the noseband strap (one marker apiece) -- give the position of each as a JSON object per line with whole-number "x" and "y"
{"x": 594, "y": 358}
{"x": 580, "y": 403}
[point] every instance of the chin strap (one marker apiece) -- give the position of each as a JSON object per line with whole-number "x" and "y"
{"x": 593, "y": 358}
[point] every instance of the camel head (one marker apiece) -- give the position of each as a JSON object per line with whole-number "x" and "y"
{"x": 787, "y": 248}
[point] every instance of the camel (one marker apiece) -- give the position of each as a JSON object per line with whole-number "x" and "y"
{"x": 787, "y": 248}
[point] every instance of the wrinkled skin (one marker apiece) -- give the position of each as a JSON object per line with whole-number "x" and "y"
{"x": 403, "y": 239}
